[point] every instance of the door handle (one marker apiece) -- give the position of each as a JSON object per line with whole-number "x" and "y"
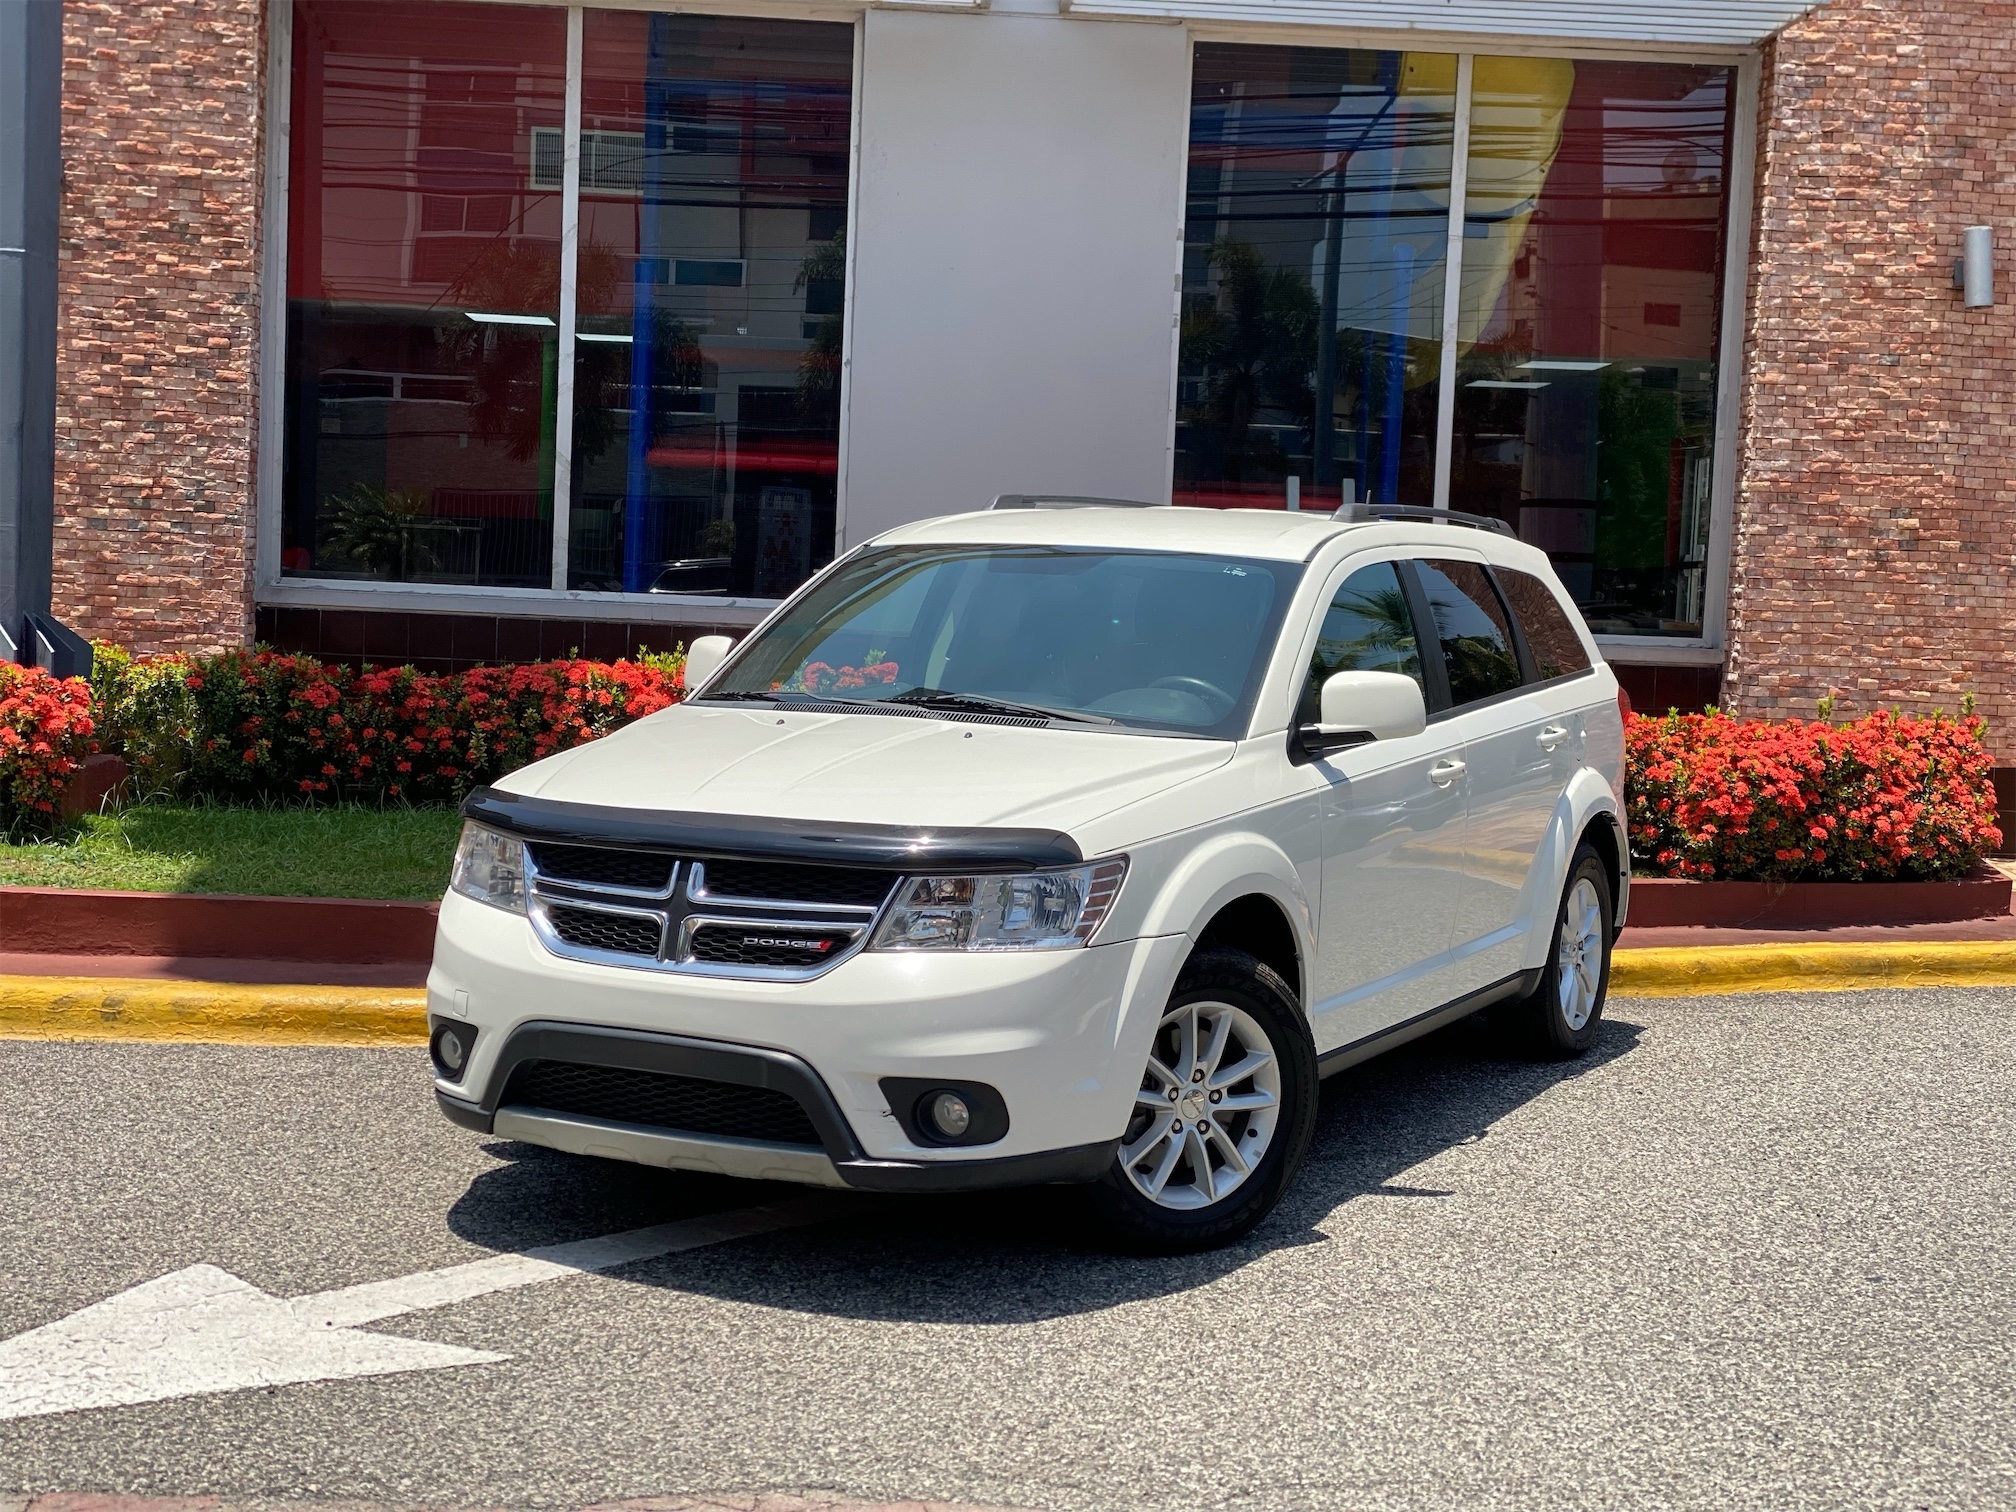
{"x": 1445, "y": 772}
{"x": 1552, "y": 736}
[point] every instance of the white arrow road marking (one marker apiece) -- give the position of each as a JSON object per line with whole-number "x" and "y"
{"x": 203, "y": 1330}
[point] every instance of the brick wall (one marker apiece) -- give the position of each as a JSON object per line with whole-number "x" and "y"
{"x": 1875, "y": 540}
{"x": 157, "y": 350}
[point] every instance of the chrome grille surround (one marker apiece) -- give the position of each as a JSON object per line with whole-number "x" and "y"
{"x": 686, "y": 907}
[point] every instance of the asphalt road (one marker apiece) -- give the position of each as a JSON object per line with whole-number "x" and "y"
{"x": 1753, "y": 1252}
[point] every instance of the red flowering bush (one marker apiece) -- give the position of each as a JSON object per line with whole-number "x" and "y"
{"x": 45, "y": 733}
{"x": 265, "y": 725}
{"x": 1889, "y": 796}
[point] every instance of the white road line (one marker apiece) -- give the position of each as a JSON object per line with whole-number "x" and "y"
{"x": 202, "y": 1329}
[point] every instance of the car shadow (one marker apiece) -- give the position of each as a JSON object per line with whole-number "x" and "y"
{"x": 1023, "y": 1255}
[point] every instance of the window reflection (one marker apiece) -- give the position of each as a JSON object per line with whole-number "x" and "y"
{"x": 712, "y": 258}
{"x": 1315, "y": 243}
{"x": 423, "y": 292}
{"x": 1592, "y": 256}
{"x": 1475, "y": 632}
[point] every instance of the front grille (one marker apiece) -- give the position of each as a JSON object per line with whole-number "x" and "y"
{"x": 660, "y": 1101}
{"x": 787, "y": 883}
{"x": 730, "y": 916}
{"x": 592, "y": 866}
{"x": 591, "y": 929}
{"x": 765, "y": 945}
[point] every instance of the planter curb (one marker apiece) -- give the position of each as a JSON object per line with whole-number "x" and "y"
{"x": 127, "y": 1008}
{"x": 1669, "y": 902}
{"x": 89, "y": 921}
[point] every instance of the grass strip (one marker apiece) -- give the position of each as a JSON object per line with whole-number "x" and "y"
{"x": 337, "y": 852}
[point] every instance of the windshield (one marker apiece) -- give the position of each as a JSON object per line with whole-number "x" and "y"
{"x": 1104, "y": 638}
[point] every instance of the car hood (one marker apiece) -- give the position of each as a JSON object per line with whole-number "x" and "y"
{"x": 866, "y": 768}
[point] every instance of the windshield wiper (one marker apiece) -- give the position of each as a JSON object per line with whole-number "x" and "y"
{"x": 770, "y": 697}
{"x": 976, "y": 703}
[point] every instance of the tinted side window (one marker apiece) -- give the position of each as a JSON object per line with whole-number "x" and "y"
{"x": 1550, "y": 635}
{"x": 1476, "y": 636}
{"x": 1367, "y": 629}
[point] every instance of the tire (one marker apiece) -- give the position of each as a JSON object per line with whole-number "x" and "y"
{"x": 1153, "y": 1201}
{"x": 1560, "y": 1019}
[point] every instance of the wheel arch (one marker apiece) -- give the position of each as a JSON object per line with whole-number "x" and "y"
{"x": 1256, "y": 924}
{"x": 1243, "y": 891}
{"x": 1588, "y": 810}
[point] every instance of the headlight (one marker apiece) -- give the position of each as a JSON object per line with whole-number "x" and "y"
{"x": 1046, "y": 910}
{"x": 490, "y": 868}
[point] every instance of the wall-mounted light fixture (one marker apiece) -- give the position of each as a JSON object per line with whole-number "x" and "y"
{"x": 1974, "y": 269}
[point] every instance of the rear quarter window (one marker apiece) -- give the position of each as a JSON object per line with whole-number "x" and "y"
{"x": 1557, "y": 650}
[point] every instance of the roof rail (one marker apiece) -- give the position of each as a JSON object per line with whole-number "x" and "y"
{"x": 1067, "y": 501}
{"x": 1357, "y": 513}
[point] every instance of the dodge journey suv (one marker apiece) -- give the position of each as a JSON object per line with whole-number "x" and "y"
{"x": 1068, "y": 841}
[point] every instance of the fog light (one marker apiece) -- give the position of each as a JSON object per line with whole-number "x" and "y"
{"x": 949, "y": 1115}
{"x": 450, "y": 1048}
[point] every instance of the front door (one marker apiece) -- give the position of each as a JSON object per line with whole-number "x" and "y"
{"x": 1392, "y": 833}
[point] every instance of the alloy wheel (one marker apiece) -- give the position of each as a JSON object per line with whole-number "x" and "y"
{"x": 1207, "y": 1109}
{"x": 1579, "y": 960}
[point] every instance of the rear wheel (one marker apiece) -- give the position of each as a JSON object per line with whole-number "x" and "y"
{"x": 1223, "y": 1114}
{"x": 1561, "y": 1017}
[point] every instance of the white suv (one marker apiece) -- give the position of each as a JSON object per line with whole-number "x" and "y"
{"x": 1069, "y": 841}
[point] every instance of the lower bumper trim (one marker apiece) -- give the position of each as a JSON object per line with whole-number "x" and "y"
{"x": 468, "y": 1114}
{"x": 747, "y": 1159}
{"x": 1080, "y": 1163}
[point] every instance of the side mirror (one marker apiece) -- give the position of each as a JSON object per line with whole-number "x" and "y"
{"x": 703, "y": 657}
{"x": 1358, "y": 707}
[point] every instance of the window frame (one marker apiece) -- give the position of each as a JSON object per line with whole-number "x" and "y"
{"x": 272, "y": 588}
{"x": 1746, "y": 65}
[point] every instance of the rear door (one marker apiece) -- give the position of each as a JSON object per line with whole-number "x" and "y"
{"x": 1392, "y": 828}
{"x": 1519, "y": 753}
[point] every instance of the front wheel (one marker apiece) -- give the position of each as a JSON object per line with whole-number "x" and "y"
{"x": 1561, "y": 1017}
{"x": 1223, "y": 1115}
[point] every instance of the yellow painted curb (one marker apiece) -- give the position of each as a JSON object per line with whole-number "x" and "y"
{"x": 1680, "y": 971}
{"x": 135, "y": 1008}
{"x": 129, "y": 1008}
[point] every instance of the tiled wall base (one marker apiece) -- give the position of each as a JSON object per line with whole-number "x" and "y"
{"x": 451, "y": 642}
{"x": 1654, "y": 690}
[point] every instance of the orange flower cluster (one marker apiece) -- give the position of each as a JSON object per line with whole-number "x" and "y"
{"x": 46, "y": 731}
{"x": 264, "y": 725}
{"x": 1708, "y": 796}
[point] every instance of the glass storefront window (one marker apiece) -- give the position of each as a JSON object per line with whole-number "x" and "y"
{"x": 712, "y": 253}
{"x": 1594, "y": 230}
{"x": 423, "y": 288}
{"x": 1315, "y": 249}
{"x": 425, "y": 221}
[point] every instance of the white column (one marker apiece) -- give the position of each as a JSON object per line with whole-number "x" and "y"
{"x": 1452, "y": 285}
{"x": 570, "y": 260}
{"x": 1016, "y": 249}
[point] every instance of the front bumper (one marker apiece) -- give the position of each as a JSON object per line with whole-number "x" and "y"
{"x": 837, "y": 1160}
{"x": 1061, "y": 1035}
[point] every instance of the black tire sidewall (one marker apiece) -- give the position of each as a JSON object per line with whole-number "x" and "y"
{"x": 1221, "y": 975}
